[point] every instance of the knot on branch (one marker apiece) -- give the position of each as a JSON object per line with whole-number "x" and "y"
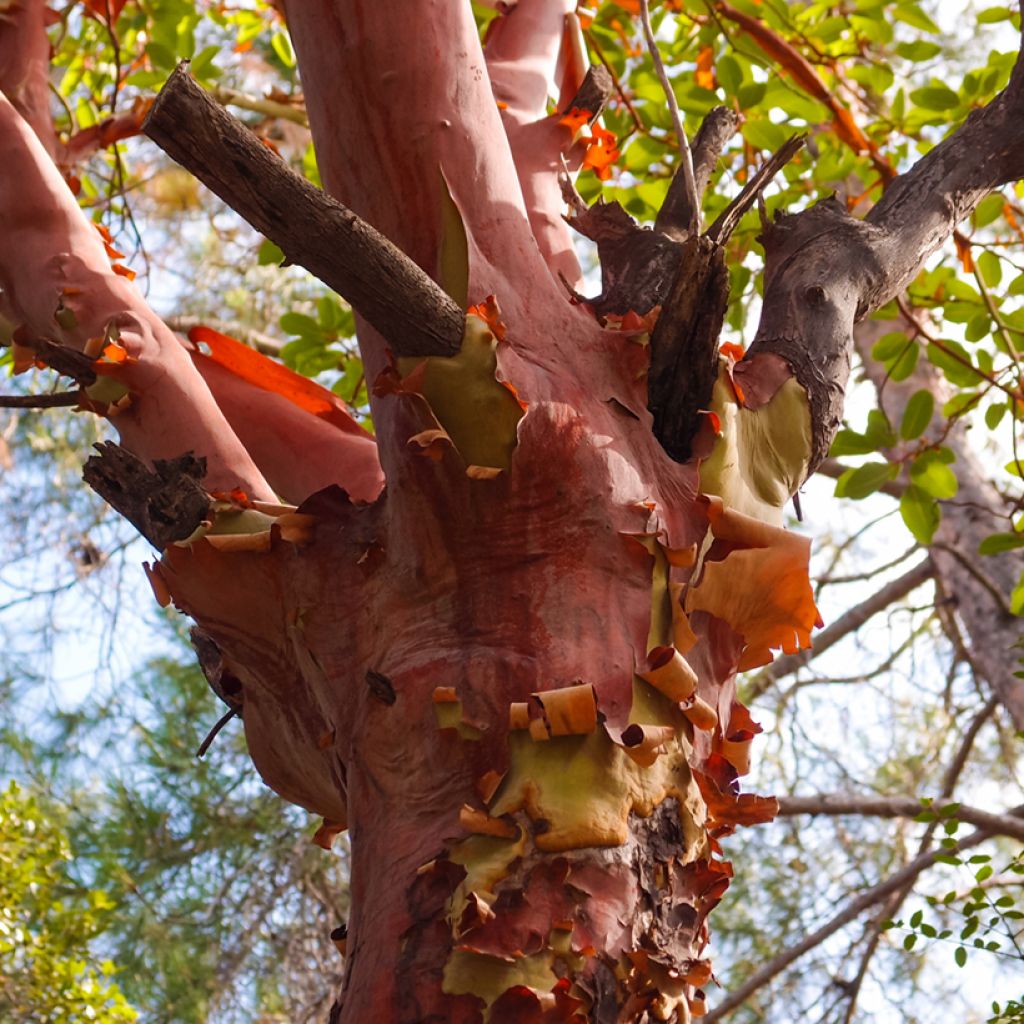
{"x": 165, "y": 503}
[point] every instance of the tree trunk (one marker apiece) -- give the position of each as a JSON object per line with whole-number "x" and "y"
{"x": 511, "y": 673}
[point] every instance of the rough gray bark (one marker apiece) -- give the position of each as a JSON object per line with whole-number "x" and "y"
{"x": 313, "y": 230}
{"x": 825, "y": 270}
{"x": 708, "y": 144}
{"x": 165, "y": 504}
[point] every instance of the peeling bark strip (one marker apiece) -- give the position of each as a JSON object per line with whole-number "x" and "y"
{"x": 165, "y": 504}
{"x": 312, "y": 229}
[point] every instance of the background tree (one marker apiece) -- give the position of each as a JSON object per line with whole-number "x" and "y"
{"x": 923, "y": 460}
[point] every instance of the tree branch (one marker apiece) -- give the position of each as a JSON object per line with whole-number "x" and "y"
{"x": 895, "y": 901}
{"x": 846, "y": 624}
{"x": 849, "y": 913}
{"x": 824, "y": 270}
{"x": 711, "y": 139}
{"x": 838, "y": 804}
{"x": 264, "y": 343}
{"x": 401, "y": 301}
{"x": 59, "y": 399}
{"x": 691, "y": 197}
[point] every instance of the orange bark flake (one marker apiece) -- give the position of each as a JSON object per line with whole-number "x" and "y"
{"x": 445, "y": 695}
{"x": 756, "y": 579}
{"x": 602, "y": 152}
{"x": 490, "y": 313}
{"x": 326, "y": 834}
{"x": 519, "y": 715}
{"x": 644, "y": 744}
{"x": 161, "y": 591}
{"x": 124, "y": 271}
{"x": 487, "y": 785}
{"x": 430, "y": 443}
{"x": 482, "y": 824}
{"x": 670, "y": 674}
{"x": 249, "y": 365}
{"x": 234, "y": 543}
{"x": 115, "y": 353}
{"x": 705, "y": 75}
{"x": 236, "y": 496}
{"x": 726, "y": 805}
{"x": 576, "y": 120}
{"x": 963, "y": 250}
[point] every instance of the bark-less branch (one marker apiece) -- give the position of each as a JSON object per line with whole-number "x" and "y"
{"x": 824, "y": 270}
{"x": 850, "y": 912}
{"x": 312, "y": 229}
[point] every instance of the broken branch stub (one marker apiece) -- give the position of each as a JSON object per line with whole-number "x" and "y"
{"x": 684, "y": 346}
{"x": 317, "y": 232}
{"x": 712, "y": 137}
{"x": 593, "y": 92}
{"x": 165, "y": 504}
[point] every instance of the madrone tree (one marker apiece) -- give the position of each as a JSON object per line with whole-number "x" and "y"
{"x": 497, "y": 640}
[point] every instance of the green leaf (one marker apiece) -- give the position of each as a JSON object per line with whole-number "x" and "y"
{"x": 282, "y": 46}
{"x": 1000, "y": 542}
{"x": 909, "y": 942}
{"x": 917, "y": 415}
{"x": 991, "y": 268}
{"x": 991, "y": 15}
{"x": 879, "y": 430}
{"x": 269, "y": 253}
{"x": 989, "y": 209}
{"x": 911, "y": 14}
{"x": 931, "y": 474}
{"x": 960, "y": 956}
{"x": 730, "y": 75}
{"x": 955, "y": 362}
{"x": 918, "y": 50}
{"x": 859, "y": 483}
{"x": 920, "y": 513}
{"x": 849, "y": 442}
{"x": 300, "y": 324}
{"x": 763, "y": 134}
{"x": 936, "y": 97}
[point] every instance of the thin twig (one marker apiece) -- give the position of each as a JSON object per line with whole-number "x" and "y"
{"x": 685, "y": 156}
{"x": 212, "y": 734}
{"x": 59, "y": 399}
{"x": 730, "y": 217}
